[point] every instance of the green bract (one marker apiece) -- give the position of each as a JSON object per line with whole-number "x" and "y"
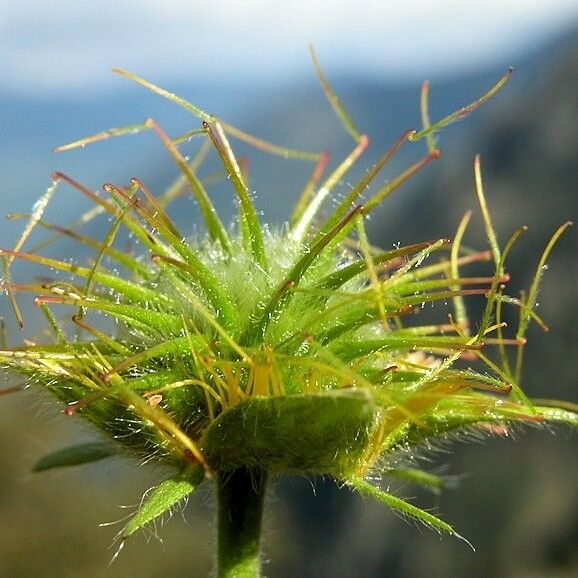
{"x": 253, "y": 350}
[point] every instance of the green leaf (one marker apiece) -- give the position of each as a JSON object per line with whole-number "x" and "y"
{"x": 424, "y": 479}
{"x": 163, "y": 498}
{"x": 405, "y": 508}
{"x": 317, "y": 433}
{"x": 75, "y": 455}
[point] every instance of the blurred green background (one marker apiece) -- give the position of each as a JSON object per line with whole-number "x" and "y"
{"x": 515, "y": 499}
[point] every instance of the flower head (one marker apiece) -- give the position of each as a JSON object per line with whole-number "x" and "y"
{"x": 288, "y": 349}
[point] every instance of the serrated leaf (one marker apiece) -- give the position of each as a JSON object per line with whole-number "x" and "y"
{"x": 163, "y": 497}
{"x": 75, "y": 455}
{"x": 316, "y": 433}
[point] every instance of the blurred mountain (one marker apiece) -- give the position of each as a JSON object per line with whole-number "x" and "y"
{"x": 520, "y": 504}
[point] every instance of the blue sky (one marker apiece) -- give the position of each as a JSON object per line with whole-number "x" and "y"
{"x": 66, "y": 48}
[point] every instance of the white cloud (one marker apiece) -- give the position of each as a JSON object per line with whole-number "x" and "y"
{"x": 69, "y": 46}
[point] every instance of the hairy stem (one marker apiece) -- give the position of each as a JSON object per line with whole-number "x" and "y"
{"x": 240, "y": 505}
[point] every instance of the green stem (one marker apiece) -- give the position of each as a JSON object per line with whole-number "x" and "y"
{"x": 240, "y": 506}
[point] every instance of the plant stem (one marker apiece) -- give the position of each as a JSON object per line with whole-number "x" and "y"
{"x": 241, "y": 495}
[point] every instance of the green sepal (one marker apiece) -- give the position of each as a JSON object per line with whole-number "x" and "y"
{"x": 75, "y": 455}
{"x": 404, "y": 508}
{"x": 426, "y": 480}
{"x": 324, "y": 433}
{"x": 473, "y": 410}
{"x": 163, "y": 498}
{"x": 558, "y": 414}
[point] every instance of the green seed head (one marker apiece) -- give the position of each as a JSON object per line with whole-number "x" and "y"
{"x": 291, "y": 349}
